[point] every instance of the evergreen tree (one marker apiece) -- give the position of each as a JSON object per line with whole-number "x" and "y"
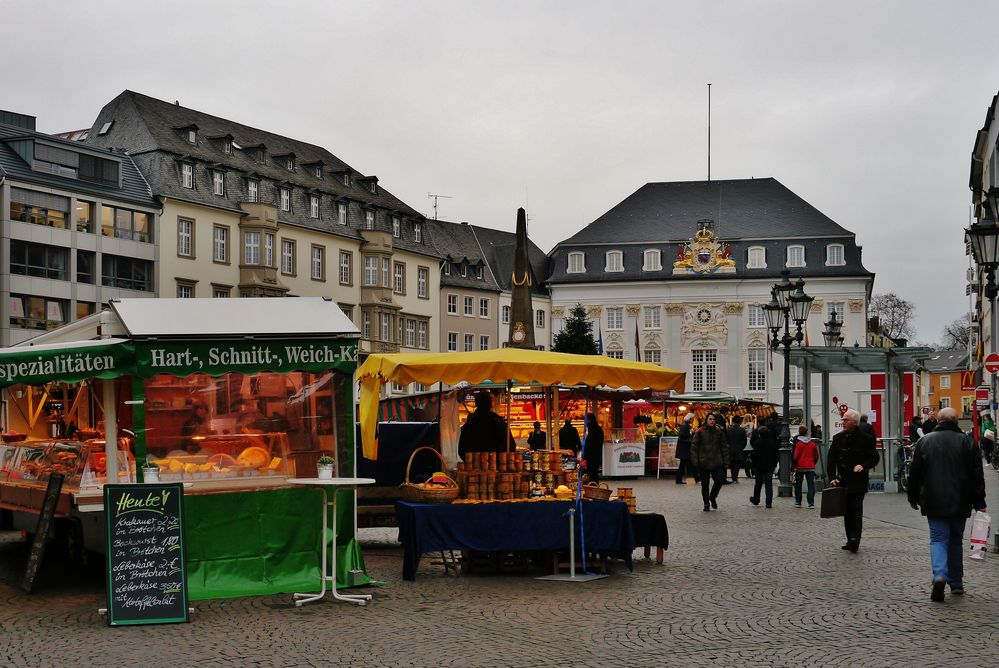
{"x": 577, "y": 334}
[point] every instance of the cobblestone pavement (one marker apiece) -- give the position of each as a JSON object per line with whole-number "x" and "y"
{"x": 741, "y": 586}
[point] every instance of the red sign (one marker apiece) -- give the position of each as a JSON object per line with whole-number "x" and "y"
{"x": 992, "y": 362}
{"x": 982, "y": 393}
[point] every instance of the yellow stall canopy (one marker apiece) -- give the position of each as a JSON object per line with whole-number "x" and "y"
{"x": 499, "y": 366}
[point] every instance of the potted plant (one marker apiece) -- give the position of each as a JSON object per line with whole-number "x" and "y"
{"x": 324, "y": 465}
{"x": 150, "y": 472}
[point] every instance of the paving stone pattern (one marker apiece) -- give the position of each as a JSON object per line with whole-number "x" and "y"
{"x": 740, "y": 586}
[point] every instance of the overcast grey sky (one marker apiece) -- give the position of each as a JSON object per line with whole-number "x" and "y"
{"x": 867, "y": 110}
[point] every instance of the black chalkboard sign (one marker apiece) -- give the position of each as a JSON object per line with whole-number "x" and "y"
{"x": 147, "y": 576}
{"x": 42, "y": 531}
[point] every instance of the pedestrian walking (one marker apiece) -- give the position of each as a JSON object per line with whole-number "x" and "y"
{"x": 736, "y": 437}
{"x": 988, "y": 439}
{"x": 803, "y": 459}
{"x": 683, "y": 441}
{"x": 946, "y": 482}
{"x": 710, "y": 457}
{"x": 765, "y": 448}
{"x": 851, "y": 455}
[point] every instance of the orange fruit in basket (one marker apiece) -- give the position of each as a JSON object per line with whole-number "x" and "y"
{"x": 254, "y": 457}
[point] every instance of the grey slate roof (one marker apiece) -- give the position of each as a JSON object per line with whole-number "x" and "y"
{"x": 947, "y": 360}
{"x": 134, "y": 188}
{"x": 745, "y": 213}
{"x": 153, "y": 132}
{"x": 498, "y": 248}
{"x": 456, "y": 242}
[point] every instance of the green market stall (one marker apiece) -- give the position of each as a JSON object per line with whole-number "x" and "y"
{"x": 231, "y": 397}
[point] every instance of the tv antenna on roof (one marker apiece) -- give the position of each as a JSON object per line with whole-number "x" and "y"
{"x": 435, "y": 198}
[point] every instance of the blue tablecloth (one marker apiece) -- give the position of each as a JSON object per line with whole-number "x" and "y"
{"x": 492, "y": 527}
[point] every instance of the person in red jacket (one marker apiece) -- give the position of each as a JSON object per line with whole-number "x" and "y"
{"x": 806, "y": 454}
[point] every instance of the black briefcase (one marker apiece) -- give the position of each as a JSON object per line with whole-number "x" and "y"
{"x": 833, "y": 502}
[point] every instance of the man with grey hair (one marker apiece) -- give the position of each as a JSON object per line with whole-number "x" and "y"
{"x": 945, "y": 483}
{"x": 851, "y": 455}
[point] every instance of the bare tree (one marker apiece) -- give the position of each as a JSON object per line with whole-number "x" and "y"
{"x": 957, "y": 334}
{"x": 894, "y": 314}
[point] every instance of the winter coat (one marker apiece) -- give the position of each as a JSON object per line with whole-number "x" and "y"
{"x": 568, "y": 439}
{"x": 848, "y": 449}
{"x": 683, "y": 441}
{"x": 945, "y": 477}
{"x": 709, "y": 449}
{"x": 485, "y": 431}
{"x": 593, "y": 453}
{"x": 806, "y": 454}
{"x": 736, "y": 437}
{"x": 536, "y": 441}
{"x": 764, "y": 449}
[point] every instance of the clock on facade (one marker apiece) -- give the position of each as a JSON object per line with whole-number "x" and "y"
{"x": 519, "y": 334}
{"x": 703, "y": 316}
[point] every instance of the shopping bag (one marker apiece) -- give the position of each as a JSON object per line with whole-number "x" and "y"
{"x": 833, "y": 502}
{"x": 981, "y": 527}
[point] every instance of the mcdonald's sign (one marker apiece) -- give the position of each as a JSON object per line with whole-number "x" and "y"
{"x": 968, "y": 381}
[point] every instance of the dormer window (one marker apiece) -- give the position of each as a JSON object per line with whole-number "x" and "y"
{"x": 318, "y": 171}
{"x": 218, "y": 182}
{"x": 614, "y": 262}
{"x": 346, "y": 179}
{"x": 192, "y": 136}
{"x": 314, "y": 206}
{"x": 464, "y": 270}
{"x": 341, "y": 213}
{"x": 396, "y": 227}
{"x": 757, "y": 258}
{"x": 479, "y": 272}
{"x": 795, "y": 256}
{"x": 187, "y": 174}
{"x": 374, "y": 187}
{"x": 447, "y": 267}
{"x": 652, "y": 260}
{"x": 418, "y": 233}
{"x": 369, "y": 220}
{"x": 576, "y": 264}
{"x": 227, "y": 146}
{"x": 252, "y": 190}
{"x": 834, "y": 255}
{"x": 285, "y": 195}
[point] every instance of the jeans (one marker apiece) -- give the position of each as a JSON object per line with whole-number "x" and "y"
{"x": 765, "y": 481}
{"x": 707, "y": 476}
{"x": 946, "y": 553}
{"x": 809, "y": 476}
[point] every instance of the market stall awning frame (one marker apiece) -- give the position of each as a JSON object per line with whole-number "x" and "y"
{"x": 501, "y": 365}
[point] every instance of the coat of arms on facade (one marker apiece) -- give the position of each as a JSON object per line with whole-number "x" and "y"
{"x": 704, "y": 254}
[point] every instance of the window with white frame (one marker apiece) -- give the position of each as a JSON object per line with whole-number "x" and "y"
{"x": 187, "y": 174}
{"x": 341, "y": 213}
{"x": 796, "y": 379}
{"x": 944, "y": 402}
{"x": 400, "y": 389}
{"x": 614, "y": 261}
{"x": 422, "y": 279}
{"x": 839, "y": 308}
{"x": 755, "y": 316}
{"x": 652, "y": 260}
{"x": 252, "y": 190}
{"x": 464, "y": 270}
{"x": 483, "y": 308}
{"x": 479, "y": 272}
{"x": 370, "y": 270}
{"x": 399, "y": 278}
{"x": 219, "y": 292}
{"x": 945, "y": 382}
{"x": 314, "y": 206}
{"x": 834, "y": 255}
{"x": 756, "y": 358}
{"x": 220, "y": 244}
{"x": 185, "y": 290}
{"x": 615, "y": 354}
{"x": 268, "y": 249}
{"x": 185, "y": 237}
{"x": 446, "y": 268}
{"x": 318, "y": 263}
{"x": 410, "y": 333}
{"x": 421, "y": 334}
{"x": 577, "y": 264}
{"x": 653, "y": 317}
{"x": 704, "y": 368}
{"x": 369, "y": 220}
{"x": 652, "y": 356}
{"x": 218, "y": 182}
{"x": 452, "y": 342}
{"x": 366, "y": 324}
{"x": 795, "y": 256}
{"x": 289, "y": 163}
{"x": 756, "y": 258}
{"x": 396, "y": 227}
{"x": 469, "y": 343}
{"x": 251, "y": 248}
{"x": 285, "y": 199}
{"x": 539, "y": 319}
{"x": 318, "y": 171}
{"x": 346, "y": 267}
{"x": 483, "y": 342}
{"x": 615, "y": 317}
{"x": 192, "y": 136}
{"x": 469, "y": 305}
{"x": 452, "y": 304}
{"x": 287, "y": 257}
{"x": 385, "y": 272}
{"x": 386, "y": 326}
{"x": 418, "y": 233}
{"x": 505, "y": 315}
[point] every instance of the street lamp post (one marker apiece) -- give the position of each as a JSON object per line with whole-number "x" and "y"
{"x": 983, "y": 237}
{"x": 788, "y": 302}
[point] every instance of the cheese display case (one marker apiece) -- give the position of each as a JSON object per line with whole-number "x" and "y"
{"x": 231, "y": 457}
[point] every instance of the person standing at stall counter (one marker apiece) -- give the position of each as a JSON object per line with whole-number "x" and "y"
{"x": 537, "y": 439}
{"x": 568, "y": 438}
{"x": 593, "y": 449}
{"x": 484, "y": 430}
{"x": 851, "y": 455}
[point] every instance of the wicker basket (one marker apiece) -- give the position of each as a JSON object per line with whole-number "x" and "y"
{"x": 421, "y": 494}
{"x": 599, "y": 492}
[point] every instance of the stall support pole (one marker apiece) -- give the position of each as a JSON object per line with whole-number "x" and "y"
{"x": 110, "y": 431}
{"x": 572, "y": 577}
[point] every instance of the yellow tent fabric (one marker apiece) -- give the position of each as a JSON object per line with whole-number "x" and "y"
{"x": 499, "y": 366}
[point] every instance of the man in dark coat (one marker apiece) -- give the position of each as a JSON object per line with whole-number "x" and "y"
{"x": 736, "y": 437}
{"x": 684, "y": 439}
{"x": 866, "y": 426}
{"x": 851, "y": 455}
{"x": 537, "y": 439}
{"x": 945, "y": 483}
{"x": 568, "y": 438}
{"x": 765, "y": 448}
{"x": 593, "y": 449}
{"x": 930, "y": 423}
{"x": 484, "y": 430}
{"x": 709, "y": 455}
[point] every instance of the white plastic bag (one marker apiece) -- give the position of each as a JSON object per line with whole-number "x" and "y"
{"x": 981, "y": 527}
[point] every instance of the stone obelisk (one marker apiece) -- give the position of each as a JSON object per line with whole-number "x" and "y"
{"x": 521, "y": 309}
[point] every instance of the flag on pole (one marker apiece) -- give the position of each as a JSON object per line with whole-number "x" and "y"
{"x": 600, "y": 340}
{"x": 770, "y": 353}
{"x": 638, "y": 351}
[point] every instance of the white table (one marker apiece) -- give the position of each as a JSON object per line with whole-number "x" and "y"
{"x": 330, "y": 575}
